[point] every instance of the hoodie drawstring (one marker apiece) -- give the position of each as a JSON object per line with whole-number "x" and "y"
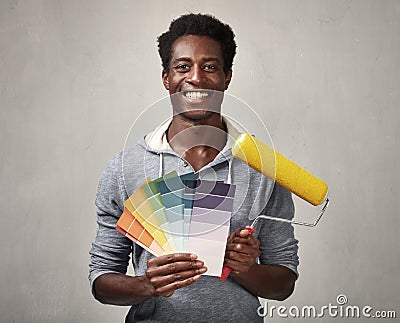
{"x": 160, "y": 172}
{"x": 229, "y": 181}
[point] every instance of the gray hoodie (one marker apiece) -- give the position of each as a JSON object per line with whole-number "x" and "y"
{"x": 208, "y": 300}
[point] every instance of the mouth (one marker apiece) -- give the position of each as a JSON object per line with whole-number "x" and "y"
{"x": 195, "y": 95}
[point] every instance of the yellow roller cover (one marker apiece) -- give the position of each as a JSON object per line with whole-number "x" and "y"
{"x": 277, "y": 167}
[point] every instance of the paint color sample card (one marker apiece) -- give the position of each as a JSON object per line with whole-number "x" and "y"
{"x": 132, "y": 229}
{"x": 210, "y": 222}
{"x": 179, "y": 213}
{"x": 141, "y": 209}
{"x": 154, "y": 197}
{"x": 172, "y": 192}
{"x": 190, "y": 190}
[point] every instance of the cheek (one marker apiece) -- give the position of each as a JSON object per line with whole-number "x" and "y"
{"x": 175, "y": 80}
{"x": 221, "y": 82}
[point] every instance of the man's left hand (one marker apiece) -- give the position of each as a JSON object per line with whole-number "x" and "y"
{"x": 242, "y": 250}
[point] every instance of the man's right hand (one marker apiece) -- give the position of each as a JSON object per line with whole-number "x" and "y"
{"x": 164, "y": 275}
{"x": 170, "y": 272}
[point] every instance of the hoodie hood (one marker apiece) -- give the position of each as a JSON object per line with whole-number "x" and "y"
{"x": 157, "y": 142}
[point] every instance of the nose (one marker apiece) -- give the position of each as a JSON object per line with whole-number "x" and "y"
{"x": 195, "y": 76}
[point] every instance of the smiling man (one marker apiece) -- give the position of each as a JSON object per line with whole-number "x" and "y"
{"x": 196, "y": 65}
{"x": 197, "y": 54}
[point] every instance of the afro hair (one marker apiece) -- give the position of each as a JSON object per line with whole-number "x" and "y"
{"x": 201, "y": 25}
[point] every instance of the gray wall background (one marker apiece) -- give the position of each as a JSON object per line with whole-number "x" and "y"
{"x": 323, "y": 75}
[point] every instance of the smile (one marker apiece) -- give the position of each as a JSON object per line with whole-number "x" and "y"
{"x": 196, "y": 95}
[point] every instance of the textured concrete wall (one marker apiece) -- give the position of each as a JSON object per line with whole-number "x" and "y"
{"x": 323, "y": 75}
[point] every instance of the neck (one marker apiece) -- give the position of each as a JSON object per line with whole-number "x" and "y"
{"x": 200, "y": 136}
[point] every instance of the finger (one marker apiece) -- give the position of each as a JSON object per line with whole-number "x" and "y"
{"x": 240, "y": 240}
{"x": 240, "y": 257}
{"x": 237, "y": 266}
{"x": 246, "y": 259}
{"x": 168, "y": 294}
{"x": 240, "y": 251}
{"x": 244, "y": 248}
{"x": 249, "y": 240}
{"x": 167, "y": 289}
{"x": 244, "y": 233}
{"x": 234, "y": 234}
{"x": 231, "y": 237}
{"x": 172, "y": 268}
{"x": 253, "y": 241}
{"x": 243, "y": 254}
{"x": 173, "y": 257}
{"x": 240, "y": 233}
{"x": 160, "y": 281}
{"x": 238, "y": 247}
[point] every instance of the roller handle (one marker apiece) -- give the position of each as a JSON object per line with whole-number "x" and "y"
{"x": 227, "y": 270}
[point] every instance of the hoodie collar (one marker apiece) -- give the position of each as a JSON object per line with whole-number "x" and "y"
{"x": 157, "y": 140}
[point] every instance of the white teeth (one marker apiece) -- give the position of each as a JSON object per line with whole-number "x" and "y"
{"x": 196, "y": 95}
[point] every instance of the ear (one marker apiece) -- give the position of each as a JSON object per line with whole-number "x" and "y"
{"x": 228, "y": 78}
{"x": 165, "y": 79}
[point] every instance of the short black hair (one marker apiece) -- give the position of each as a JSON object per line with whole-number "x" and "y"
{"x": 201, "y": 25}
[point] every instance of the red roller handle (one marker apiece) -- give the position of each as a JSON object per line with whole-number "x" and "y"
{"x": 227, "y": 270}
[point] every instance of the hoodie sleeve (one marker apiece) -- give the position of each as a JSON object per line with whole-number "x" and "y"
{"x": 110, "y": 252}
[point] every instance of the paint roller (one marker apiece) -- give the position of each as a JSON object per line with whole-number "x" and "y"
{"x": 283, "y": 171}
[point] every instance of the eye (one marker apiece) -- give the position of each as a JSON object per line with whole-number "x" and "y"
{"x": 182, "y": 68}
{"x": 210, "y": 67}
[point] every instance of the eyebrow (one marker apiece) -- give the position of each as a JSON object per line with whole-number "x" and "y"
{"x": 211, "y": 59}
{"x": 188, "y": 59}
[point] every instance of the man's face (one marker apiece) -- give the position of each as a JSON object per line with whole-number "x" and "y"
{"x": 196, "y": 66}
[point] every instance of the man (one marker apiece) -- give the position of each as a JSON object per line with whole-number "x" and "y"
{"x": 197, "y": 55}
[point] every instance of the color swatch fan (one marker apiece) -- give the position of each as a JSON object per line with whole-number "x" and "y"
{"x": 180, "y": 214}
